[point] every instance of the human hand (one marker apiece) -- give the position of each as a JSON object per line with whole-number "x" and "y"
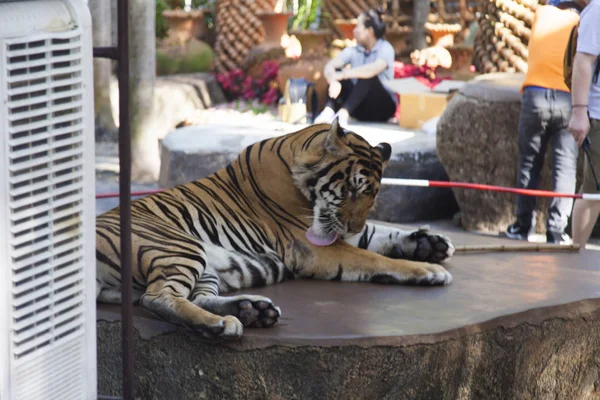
{"x": 579, "y": 125}
{"x": 335, "y": 88}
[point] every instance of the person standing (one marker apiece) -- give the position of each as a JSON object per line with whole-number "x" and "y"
{"x": 545, "y": 113}
{"x": 585, "y": 119}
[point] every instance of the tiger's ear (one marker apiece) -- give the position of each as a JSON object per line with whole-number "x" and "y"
{"x": 385, "y": 152}
{"x": 334, "y": 144}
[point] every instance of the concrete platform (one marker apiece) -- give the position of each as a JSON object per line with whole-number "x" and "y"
{"x": 512, "y": 325}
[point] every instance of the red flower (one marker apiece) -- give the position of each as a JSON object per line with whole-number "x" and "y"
{"x": 236, "y": 84}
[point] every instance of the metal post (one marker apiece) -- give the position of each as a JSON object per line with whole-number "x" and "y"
{"x": 421, "y": 11}
{"x": 125, "y": 198}
{"x": 121, "y": 54}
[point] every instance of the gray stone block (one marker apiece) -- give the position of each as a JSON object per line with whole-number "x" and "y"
{"x": 411, "y": 203}
{"x": 194, "y": 152}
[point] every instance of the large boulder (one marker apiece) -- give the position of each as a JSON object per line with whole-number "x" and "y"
{"x": 477, "y": 141}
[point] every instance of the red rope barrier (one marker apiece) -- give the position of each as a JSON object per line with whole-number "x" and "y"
{"x": 504, "y": 189}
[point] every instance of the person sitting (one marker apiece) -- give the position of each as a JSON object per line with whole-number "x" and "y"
{"x": 358, "y": 91}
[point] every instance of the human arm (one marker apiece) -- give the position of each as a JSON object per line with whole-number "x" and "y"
{"x": 588, "y": 48}
{"x": 366, "y": 71}
{"x": 331, "y": 66}
{"x": 583, "y": 66}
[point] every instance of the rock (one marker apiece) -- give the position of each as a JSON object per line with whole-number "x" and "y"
{"x": 194, "y": 152}
{"x": 176, "y": 99}
{"x": 477, "y": 141}
{"x": 410, "y": 203}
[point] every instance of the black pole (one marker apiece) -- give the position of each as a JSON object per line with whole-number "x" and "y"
{"x": 125, "y": 198}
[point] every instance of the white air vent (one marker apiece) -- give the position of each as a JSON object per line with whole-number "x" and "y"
{"x": 47, "y": 279}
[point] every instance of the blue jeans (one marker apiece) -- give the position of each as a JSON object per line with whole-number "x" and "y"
{"x": 545, "y": 116}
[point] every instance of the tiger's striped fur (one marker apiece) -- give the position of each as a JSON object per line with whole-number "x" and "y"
{"x": 245, "y": 226}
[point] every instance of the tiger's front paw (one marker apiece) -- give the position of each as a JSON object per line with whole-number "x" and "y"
{"x": 422, "y": 246}
{"x": 425, "y": 274}
{"x": 432, "y": 275}
{"x": 228, "y": 328}
{"x": 258, "y": 312}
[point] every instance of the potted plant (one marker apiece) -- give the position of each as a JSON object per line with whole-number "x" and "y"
{"x": 179, "y": 49}
{"x": 305, "y": 27}
{"x": 346, "y": 27}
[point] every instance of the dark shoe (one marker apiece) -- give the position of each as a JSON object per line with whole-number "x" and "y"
{"x": 558, "y": 238}
{"x": 517, "y": 232}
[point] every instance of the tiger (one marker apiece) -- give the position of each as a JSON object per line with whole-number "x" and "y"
{"x": 290, "y": 207}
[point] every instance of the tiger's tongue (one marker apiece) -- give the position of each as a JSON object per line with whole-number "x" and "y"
{"x": 318, "y": 240}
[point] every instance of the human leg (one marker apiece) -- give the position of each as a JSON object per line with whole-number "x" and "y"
{"x": 585, "y": 212}
{"x": 370, "y": 101}
{"x": 533, "y": 139}
{"x": 564, "y": 169}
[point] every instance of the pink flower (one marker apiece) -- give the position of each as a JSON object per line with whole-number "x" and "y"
{"x": 270, "y": 96}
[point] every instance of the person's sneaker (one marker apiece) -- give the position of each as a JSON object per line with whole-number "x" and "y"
{"x": 343, "y": 118}
{"x": 517, "y": 232}
{"x": 326, "y": 116}
{"x": 558, "y": 238}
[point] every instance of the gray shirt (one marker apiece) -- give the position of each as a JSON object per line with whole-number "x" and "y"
{"x": 358, "y": 55}
{"x": 588, "y": 41}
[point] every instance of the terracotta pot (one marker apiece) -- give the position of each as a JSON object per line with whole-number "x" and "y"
{"x": 184, "y": 25}
{"x": 462, "y": 57}
{"x": 346, "y": 26}
{"x": 274, "y": 25}
{"x": 442, "y": 34}
{"x": 313, "y": 42}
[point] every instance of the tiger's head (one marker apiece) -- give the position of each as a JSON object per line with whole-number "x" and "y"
{"x": 340, "y": 174}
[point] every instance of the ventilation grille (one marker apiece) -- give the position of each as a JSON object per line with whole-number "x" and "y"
{"x": 45, "y": 161}
{"x": 61, "y": 364}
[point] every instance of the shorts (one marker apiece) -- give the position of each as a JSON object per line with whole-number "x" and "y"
{"x": 589, "y": 185}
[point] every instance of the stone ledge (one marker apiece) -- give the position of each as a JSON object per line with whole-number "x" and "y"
{"x": 557, "y": 359}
